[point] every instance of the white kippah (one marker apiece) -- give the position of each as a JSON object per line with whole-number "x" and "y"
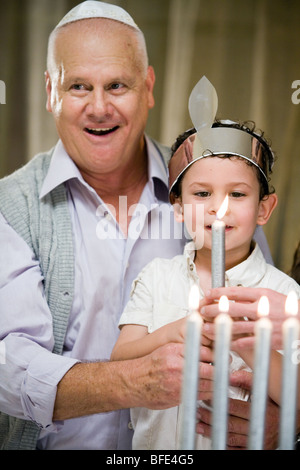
{"x": 95, "y": 9}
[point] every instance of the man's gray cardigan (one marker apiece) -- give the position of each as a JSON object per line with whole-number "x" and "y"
{"x": 45, "y": 225}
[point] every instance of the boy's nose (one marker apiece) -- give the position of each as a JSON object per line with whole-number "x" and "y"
{"x": 219, "y": 205}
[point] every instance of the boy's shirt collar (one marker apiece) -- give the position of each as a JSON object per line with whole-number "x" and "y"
{"x": 247, "y": 273}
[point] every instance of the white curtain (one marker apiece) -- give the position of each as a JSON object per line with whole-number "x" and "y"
{"x": 42, "y": 16}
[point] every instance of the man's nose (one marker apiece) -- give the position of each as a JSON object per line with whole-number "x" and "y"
{"x": 99, "y": 104}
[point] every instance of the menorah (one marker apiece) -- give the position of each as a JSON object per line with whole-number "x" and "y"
{"x": 259, "y": 392}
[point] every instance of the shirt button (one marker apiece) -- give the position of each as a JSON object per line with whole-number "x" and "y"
{"x": 130, "y": 426}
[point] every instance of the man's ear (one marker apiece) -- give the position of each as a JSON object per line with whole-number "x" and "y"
{"x": 48, "y": 91}
{"x": 178, "y": 210}
{"x": 266, "y": 207}
{"x": 150, "y": 81}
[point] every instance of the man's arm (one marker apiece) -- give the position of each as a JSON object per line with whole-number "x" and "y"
{"x": 153, "y": 381}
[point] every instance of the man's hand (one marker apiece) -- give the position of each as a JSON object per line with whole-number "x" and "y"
{"x": 245, "y": 303}
{"x": 239, "y": 418}
{"x": 156, "y": 379}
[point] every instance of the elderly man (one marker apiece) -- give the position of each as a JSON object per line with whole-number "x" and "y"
{"x": 78, "y": 224}
{"x": 75, "y": 238}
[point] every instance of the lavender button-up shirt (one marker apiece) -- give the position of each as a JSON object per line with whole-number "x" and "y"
{"x": 106, "y": 263}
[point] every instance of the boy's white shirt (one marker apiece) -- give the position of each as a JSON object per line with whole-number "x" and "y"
{"x": 159, "y": 296}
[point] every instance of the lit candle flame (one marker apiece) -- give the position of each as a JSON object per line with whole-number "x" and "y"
{"x": 223, "y": 209}
{"x": 263, "y": 306}
{"x": 224, "y": 304}
{"x": 194, "y": 298}
{"x": 291, "y": 304}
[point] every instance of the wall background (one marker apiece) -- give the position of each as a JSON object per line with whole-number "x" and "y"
{"x": 248, "y": 50}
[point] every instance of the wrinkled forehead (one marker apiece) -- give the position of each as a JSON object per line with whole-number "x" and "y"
{"x": 97, "y": 28}
{"x": 90, "y": 39}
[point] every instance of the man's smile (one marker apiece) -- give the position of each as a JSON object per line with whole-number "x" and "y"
{"x": 100, "y": 131}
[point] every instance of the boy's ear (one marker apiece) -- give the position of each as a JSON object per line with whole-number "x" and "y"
{"x": 178, "y": 211}
{"x": 266, "y": 207}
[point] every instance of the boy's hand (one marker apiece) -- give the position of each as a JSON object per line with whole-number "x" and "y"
{"x": 177, "y": 330}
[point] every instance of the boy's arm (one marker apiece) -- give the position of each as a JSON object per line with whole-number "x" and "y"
{"x": 135, "y": 341}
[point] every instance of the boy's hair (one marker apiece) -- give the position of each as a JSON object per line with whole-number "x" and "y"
{"x": 249, "y": 127}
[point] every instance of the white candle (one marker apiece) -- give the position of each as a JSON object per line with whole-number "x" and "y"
{"x": 218, "y": 247}
{"x": 263, "y": 330}
{"x": 223, "y": 324}
{"x": 190, "y": 373}
{"x": 290, "y": 332}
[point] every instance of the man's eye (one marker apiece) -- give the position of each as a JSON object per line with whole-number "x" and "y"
{"x": 116, "y": 86}
{"x": 78, "y": 87}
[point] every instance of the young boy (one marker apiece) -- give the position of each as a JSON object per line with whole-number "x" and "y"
{"x": 227, "y": 159}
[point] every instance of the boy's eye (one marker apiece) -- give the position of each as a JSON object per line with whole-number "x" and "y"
{"x": 237, "y": 194}
{"x": 202, "y": 194}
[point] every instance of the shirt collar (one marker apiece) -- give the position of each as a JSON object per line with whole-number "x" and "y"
{"x": 62, "y": 169}
{"x": 189, "y": 256}
{"x": 249, "y": 273}
{"x": 189, "y": 252}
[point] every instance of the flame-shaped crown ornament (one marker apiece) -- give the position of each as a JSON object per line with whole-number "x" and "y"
{"x": 216, "y": 139}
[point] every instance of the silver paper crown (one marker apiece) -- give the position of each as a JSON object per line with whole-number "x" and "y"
{"x": 95, "y": 9}
{"x": 210, "y": 141}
